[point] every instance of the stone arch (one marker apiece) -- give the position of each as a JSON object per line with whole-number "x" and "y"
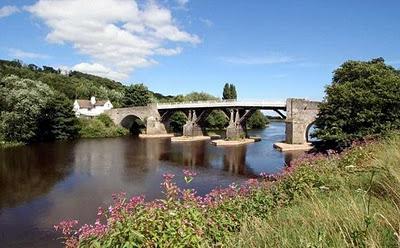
{"x": 147, "y": 114}
{"x": 133, "y": 123}
{"x": 307, "y": 130}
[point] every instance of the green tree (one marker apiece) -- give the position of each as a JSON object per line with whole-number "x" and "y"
{"x": 177, "y": 120}
{"x": 199, "y": 96}
{"x": 57, "y": 120}
{"x": 217, "y": 120}
{"x": 22, "y": 103}
{"x": 229, "y": 92}
{"x": 232, "y": 90}
{"x": 136, "y": 95}
{"x": 226, "y": 94}
{"x": 362, "y": 100}
{"x": 257, "y": 121}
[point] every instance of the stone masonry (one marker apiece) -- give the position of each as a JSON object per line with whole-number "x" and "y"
{"x": 148, "y": 114}
{"x": 300, "y": 115}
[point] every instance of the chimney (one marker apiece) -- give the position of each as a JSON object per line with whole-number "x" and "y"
{"x": 93, "y": 100}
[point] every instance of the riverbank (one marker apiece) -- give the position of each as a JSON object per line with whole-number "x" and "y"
{"x": 342, "y": 200}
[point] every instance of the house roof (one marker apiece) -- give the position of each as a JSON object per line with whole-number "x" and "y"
{"x": 100, "y": 102}
{"x": 87, "y": 104}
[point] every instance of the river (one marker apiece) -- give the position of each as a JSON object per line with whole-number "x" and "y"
{"x": 42, "y": 184}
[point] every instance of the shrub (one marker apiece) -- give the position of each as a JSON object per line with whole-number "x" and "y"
{"x": 106, "y": 120}
{"x": 100, "y": 127}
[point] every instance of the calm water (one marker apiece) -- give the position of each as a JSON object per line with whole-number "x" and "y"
{"x": 45, "y": 183}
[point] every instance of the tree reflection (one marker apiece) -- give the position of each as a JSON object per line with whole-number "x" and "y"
{"x": 190, "y": 154}
{"x": 31, "y": 171}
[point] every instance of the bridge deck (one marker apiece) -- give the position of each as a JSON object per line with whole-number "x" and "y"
{"x": 281, "y": 105}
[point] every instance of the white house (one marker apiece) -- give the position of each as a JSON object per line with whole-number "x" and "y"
{"x": 91, "y": 107}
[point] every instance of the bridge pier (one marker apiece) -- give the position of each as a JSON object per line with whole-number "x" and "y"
{"x": 192, "y": 126}
{"x": 237, "y": 123}
{"x": 300, "y": 115}
{"x": 154, "y": 126}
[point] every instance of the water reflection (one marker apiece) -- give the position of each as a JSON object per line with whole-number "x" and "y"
{"x": 235, "y": 161}
{"x": 42, "y": 184}
{"x": 29, "y": 172}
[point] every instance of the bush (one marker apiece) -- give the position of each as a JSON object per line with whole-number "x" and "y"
{"x": 363, "y": 100}
{"x": 99, "y": 127}
{"x": 107, "y": 121}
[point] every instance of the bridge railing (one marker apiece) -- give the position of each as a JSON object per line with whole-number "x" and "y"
{"x": 221, "y": 101}
{"x": 223, "y": 104}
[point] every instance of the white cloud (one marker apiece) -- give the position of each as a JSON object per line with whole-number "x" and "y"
{"x": 8, "y": 10}
{"x": 168, "y": 52}
{"x": 99, "y": 70}
{"x": 19, "y": 54}
{"x": 119, "y": 35}
{"x": 266, "y": 60}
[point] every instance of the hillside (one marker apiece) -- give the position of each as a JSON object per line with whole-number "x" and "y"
{"x": 73, "y": 84}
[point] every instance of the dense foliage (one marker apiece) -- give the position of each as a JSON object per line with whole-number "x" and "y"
{"x": 78, "y": 85}
{"x": 177, "y": 120}
{"x": 136, "y": 95}
{"x": 100, "y": 127}
{"x": 363, "y": 100}
{"x": 342, "y": 200}
{"x": 257, "y": 121}
{"x": 31, "y": 111}
{"x": 229, "y": 92}
{"x": 217, "y": 119}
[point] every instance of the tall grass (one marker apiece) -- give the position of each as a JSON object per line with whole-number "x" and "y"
{"x": 357, "y": 206}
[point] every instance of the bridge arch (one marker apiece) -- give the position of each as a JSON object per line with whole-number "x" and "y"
{"x": 135, "y": 116}
{"x": 134, "y": 124}
{"x": 308, "y": 131}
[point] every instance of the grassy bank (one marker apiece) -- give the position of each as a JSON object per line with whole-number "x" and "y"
{"x": 355, "y": 203}
{"x": 351, "y": 199}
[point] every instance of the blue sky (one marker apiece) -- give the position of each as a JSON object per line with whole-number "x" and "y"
{"x": 269, "y": 49}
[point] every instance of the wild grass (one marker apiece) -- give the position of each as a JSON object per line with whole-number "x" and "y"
{"x": 357, "y": 206}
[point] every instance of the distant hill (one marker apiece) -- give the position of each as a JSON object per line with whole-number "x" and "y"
{"x": 73, "y": 84}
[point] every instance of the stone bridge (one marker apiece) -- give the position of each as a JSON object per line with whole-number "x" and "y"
{"x": 148, "y": 115}
{"x": 300, "y": 115}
